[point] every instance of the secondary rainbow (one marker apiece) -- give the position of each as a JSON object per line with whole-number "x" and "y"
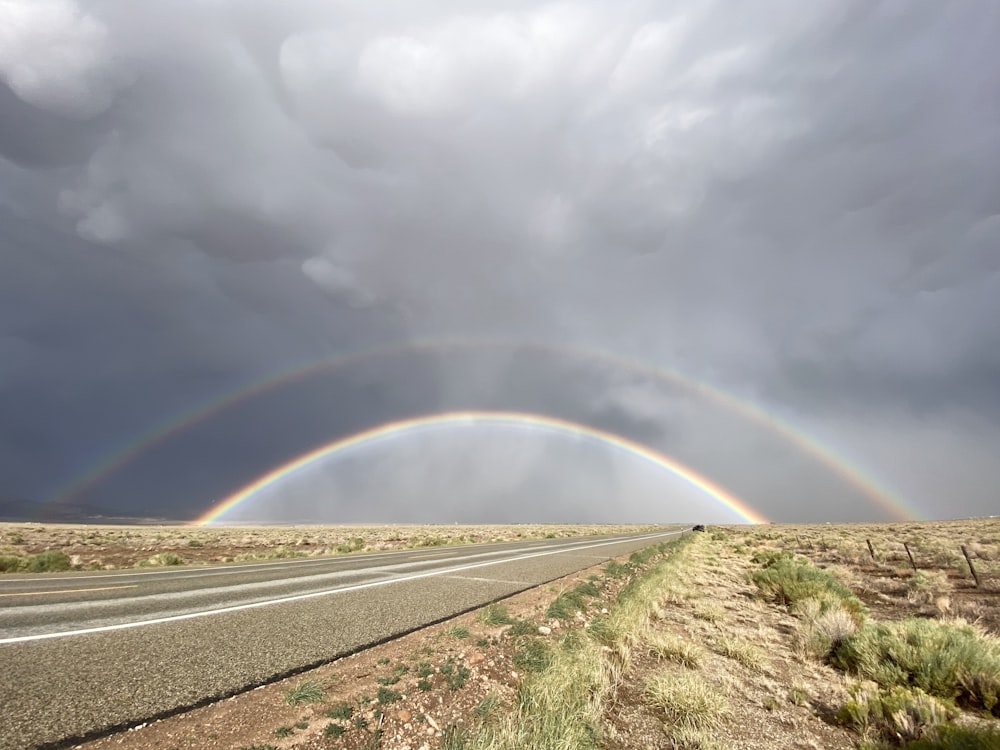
{"x": 822, "y": 453}
{"x": 505, "y": 418}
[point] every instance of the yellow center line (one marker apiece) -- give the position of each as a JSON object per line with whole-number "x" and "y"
{"x": 70, "y": 591}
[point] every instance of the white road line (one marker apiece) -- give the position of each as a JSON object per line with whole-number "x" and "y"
{"x": 69, "y": 591}
{"x": 313, "y": 595}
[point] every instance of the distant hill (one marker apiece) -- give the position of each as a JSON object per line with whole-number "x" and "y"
{"x": 27, "y": 511}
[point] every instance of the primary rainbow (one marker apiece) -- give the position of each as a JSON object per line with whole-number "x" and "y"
{"x": 504, "y": 418}
{"x": 823, "y": 454}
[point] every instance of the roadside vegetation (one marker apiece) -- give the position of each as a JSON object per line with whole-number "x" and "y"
{"x": 43, "y": 562}
{"x": 562, "y": 701}
{"x": 914, "y": 676}
{"x": 37, "y": 548}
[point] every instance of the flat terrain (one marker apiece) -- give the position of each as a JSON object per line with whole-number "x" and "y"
{"x": 708, "y": 634}
{"x": 91, "y": 547}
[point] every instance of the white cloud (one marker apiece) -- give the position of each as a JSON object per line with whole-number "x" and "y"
{"x": 56, "y": 56}
{"x": 337, "y": 281}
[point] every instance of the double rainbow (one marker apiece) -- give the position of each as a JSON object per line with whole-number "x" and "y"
{"x": 893, "y": 504}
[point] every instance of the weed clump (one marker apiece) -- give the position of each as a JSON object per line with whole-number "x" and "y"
{"x": 615, "y": 569}
{"x": 309, "y": 691}
{"x": 495, "y": 614}
{"x": 686, "y": 700}
{"x": 521, "y": 627}
{"x": 741, "y": 651}
{"x": 50, "y": 560}
{"x": 899, "y": 713}
{"x": 823, "y": 630}
{"x": 455, "y": 674}
{"x": 532, "y": 656}
{"x": 340, "y": 711}
{"x": 952, "y": 737}
{"x": 566, "y": 605}
{"x": 925, "y": 587}
{"x": 788, "y": 582}
{"x": 162, "y": 559}
{"x": 950, "y": 660}
{"x": 674, "y": 648}
{"x": 12, "y": 563}
{"x": 387, "y": 695}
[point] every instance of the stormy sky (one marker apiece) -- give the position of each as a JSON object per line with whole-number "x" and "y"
{"x": 796, "y": 203}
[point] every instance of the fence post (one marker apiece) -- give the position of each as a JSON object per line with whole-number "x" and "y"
{"x": 870, "y": 548}
{"x": 971, "y": 569}
{"x": 907, "y": 548}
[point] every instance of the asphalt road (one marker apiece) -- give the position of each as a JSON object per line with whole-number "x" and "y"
{"x": 84, "y": 653}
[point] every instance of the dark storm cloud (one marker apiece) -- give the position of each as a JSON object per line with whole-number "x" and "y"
{"x": 798, "y": 202}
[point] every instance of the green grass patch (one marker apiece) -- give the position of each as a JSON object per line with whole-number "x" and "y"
{"x": 386, "y": 695}
{"x": 495, "y": 614}
{"x": 423, "y": 669}
{"x": 587, "y": 588}
{"x": 332, "y": 730}
{"x": 309, "y": 691}
{"x": 282, "y": 731}
{"x": 601, "y": 629}
{"x": 340, "y": 711}
{"x": 521, "y": 627}
{"x": 532, "y": 655}
{"x": 455, "y": 673}
{"x": 487, "y": 708}
{"x": 457, "y": 631}
{"x": 566, "y": 605}
{"x": 391, "y": 679}
{"x": 615, "y": 569}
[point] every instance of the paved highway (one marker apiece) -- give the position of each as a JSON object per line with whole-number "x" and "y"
{"x": 83, "y": 653}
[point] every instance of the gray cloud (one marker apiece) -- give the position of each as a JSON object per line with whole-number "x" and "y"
{"x": 797, "y": 202}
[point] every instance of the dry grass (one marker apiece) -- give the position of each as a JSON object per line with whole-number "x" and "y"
{"x": 741, "y": 651}
{"x": 687, "y": 700}
{"x": 674, "y": 648}
{"x": 927, "y": 586}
